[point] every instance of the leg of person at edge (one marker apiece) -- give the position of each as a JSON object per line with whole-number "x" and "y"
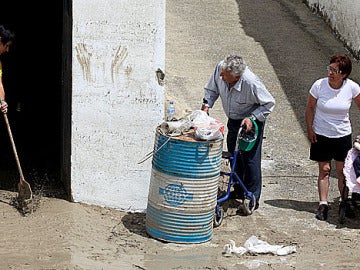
{"x": 352, "y": 175}
{"x": 244, "y": 98}
{"x": 328, "y": 124}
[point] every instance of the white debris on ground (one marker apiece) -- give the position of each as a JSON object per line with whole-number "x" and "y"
{"x": 256, "y": 246}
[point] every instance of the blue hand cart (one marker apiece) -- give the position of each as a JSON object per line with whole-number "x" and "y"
{"x": 232, "y": 178}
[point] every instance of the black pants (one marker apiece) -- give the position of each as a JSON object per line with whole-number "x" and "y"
{"x": 248, "y": 163}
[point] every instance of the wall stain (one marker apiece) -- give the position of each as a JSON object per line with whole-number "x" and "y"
{"x": 119, "y": 58}
{"x": 84, "y": 57}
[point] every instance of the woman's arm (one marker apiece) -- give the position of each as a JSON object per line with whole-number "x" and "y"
{"x": 309, "y": 117}
{"x": 357, "y": 101}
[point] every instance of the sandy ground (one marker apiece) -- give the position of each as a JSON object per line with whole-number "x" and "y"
{"x": 288, "y": 47}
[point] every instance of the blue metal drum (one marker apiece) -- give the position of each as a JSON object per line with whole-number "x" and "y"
{"x": 183, "y": 189}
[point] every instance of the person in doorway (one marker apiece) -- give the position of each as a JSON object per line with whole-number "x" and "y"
{"x": 244, "y": 99}
{"x": 328, "y": 124}
{"x": 6, "y": 39}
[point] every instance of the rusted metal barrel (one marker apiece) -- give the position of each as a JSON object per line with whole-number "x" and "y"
{"x": 183, "y": 189}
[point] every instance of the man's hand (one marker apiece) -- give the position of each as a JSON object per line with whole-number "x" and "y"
{"x": 4, "y": 106}
{"x": 205, "y": 108}
{"x": 248, "y": 123}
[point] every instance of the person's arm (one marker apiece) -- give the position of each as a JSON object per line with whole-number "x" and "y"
{"x": 266, "y": 106}
{"x": 309, "y": 117}
{"x": 211, "y": 91}
{"x": 4, "y": 105}
{"x": 262, "y": 97}
{"x": 357, "y": 101}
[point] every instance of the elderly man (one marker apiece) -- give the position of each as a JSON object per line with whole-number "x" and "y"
{"x": 244, "y": 99}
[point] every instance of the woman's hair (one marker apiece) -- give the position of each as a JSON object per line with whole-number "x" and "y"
{"x": 6, "y": 35}
{"x": 345, "y": 65}
{"x": 235, "y": 64}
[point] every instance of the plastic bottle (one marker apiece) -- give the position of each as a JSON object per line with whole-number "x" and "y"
{"x": 170, "y": 111}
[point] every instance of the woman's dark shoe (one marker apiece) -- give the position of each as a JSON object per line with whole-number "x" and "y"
{"x": 322, "y": 212}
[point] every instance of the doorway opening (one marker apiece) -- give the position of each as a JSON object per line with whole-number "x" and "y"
{"x": 37, "y": 82}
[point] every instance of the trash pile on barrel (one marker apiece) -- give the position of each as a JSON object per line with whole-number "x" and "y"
{"x": 198, "y": 124}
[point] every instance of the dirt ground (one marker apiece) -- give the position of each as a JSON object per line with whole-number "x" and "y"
{"x": 288, "y": 47}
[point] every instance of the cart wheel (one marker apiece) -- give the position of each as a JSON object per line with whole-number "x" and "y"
{"x": 246, "y": 205}
{"x": 218, "y": 217}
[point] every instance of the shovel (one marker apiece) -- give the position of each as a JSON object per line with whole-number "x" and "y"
{"x": 25, "y": 193}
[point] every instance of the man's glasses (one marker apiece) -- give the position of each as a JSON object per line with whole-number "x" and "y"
{"x": 333, "y": 70}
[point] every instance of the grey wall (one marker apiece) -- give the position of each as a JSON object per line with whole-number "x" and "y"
{"x": 343, "y": 17}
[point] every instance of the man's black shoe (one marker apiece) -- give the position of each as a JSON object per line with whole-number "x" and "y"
{"x": 245, "y": 212}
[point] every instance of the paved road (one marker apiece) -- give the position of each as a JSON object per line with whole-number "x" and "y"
{"x": 289, "y": 48}
{"x": 282, "y": 41}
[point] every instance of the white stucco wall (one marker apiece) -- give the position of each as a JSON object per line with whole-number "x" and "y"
{"x": 343, "y": 17}
{"x": 117, "y": 101}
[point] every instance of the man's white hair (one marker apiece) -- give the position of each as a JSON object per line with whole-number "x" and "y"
{"x": 235, "y": 64}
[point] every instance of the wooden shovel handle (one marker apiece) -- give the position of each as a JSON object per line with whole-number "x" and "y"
{"x": 13, "y": 146}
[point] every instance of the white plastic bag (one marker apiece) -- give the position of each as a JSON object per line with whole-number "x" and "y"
{"x": 209, "y": 133}
{"x": 206, "y": 128}
{"x": 200, "y": 118}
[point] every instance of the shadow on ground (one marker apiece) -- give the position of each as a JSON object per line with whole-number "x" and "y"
{"x": 135, "y": 223}
{"x": 310, "y": 207}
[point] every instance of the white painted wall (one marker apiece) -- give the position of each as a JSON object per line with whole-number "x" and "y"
{"x": 343, "y": 17}
{"x": 117, "y": 101}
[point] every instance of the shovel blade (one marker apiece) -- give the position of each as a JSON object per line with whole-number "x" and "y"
{"x": 25, "y": 192}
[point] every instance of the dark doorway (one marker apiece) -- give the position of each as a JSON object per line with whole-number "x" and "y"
{"x": 33, "y": 77}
